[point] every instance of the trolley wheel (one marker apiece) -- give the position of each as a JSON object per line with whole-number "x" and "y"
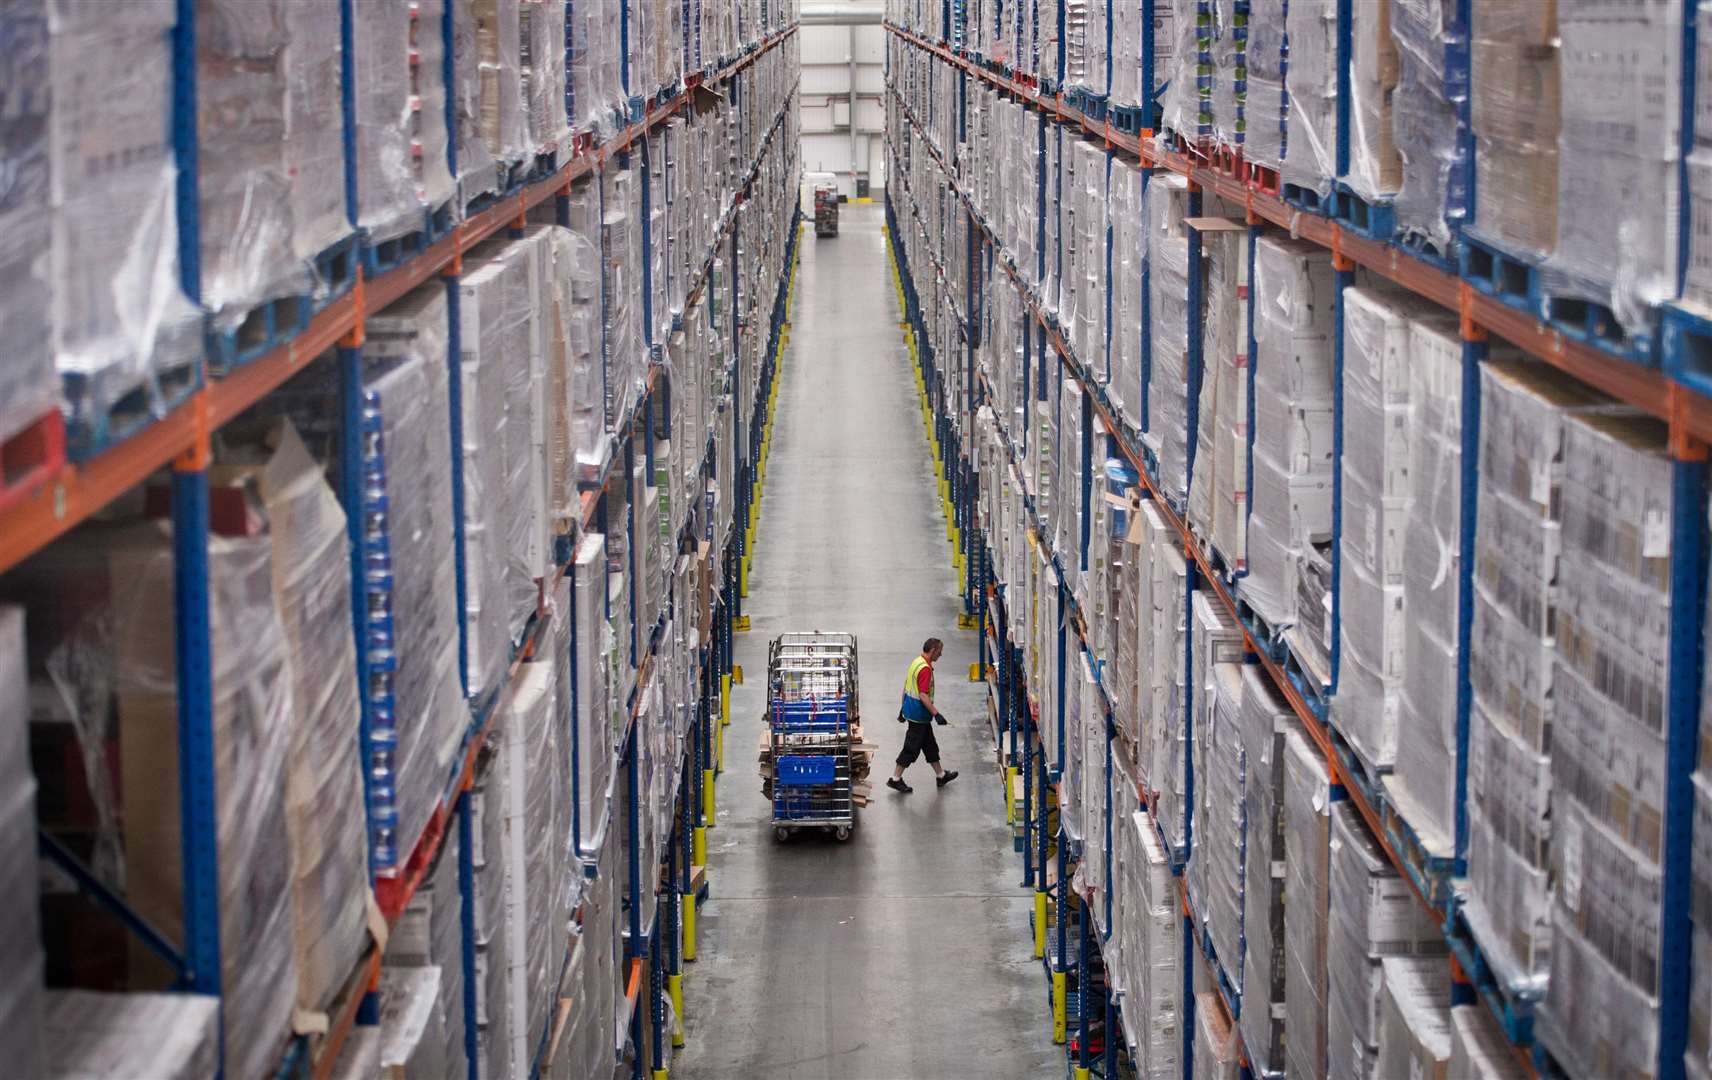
{"x": 781, "y": 834}
{"x": 843, "y": 832}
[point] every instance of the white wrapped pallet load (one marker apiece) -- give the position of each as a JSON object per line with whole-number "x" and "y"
{"x": 1220, "y": 902}
{"x": 252, "y": 728}
{"x": 325, "y": 814}
{"x": 1266, "y": 721}
{"x": 21, "y": 999}
{"x": 1168, "y": 394}
{"x": 541, "y": 71}
{"x": 1414, "y": 1022}
{"x": 1307, "y": 882}
{"x": 1374, "y": 915}
{"x": 406, "y": 395}
{"x": 430, "y": 933}
{"x": 1311, "y": 87}
{"x": 1156, "y": 978}
{"x": 1515, "y": 114}
{"x": 400, "y": 100}
{"x": 1217, "y": 1055}
{"x": 492, "y": 130}
{"x": 1164, "y": 725}
{"x": 1479, "y": 1049}
{"x": 1218, "y": 489}
{"x": 28, "y": 385}
{"x": 1608, "y": 747}
{"x": 161, "y": 1036}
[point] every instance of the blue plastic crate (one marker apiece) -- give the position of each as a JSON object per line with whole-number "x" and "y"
{"x": 803, "y": 770}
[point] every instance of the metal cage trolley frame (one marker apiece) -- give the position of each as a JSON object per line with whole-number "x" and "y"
{"x": 812, "y": 705}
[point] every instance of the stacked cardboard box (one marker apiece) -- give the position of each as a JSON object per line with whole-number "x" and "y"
{"x": 1293, "y": 421}
{"x": 1431, "y": 192}
{"x": 1168, "y": 240}
{"x": 1515, "y": 120}
{"x": 430, "y": 934}
{"x": 400, "y": 100}
{"x": 1415, "y": 1023}
{"x": 169, "y": 1036}
{"x": 1311, "y": 89}
{"x": 1608, "y": 745}
{"x": 1307, "y": 883}
{"x": 1218, "y": 489}
{"x": 1266, "y": 722}
{"x": 1375, "y": 169}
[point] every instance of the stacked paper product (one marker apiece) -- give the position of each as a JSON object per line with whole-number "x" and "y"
{"x": 623, "y": 348}
{"x": 569, "y": 269}
{"x": 1311, "y": 90}
{"x": 1414, "y": 1022}
{"x": 1218, "y": 489}
{"x": 430, "y": 934}
{"x": 1118, "y": 917}
{"x": 400, "y": 101}
{"x": 1186, "y": 109}
{"x": 1697, "y": 283}
{"x": 1164, "y": 616}
{"x": 162, "y": 1036}
{"x": 584, "y": 335}
{"x": 1608, "y": 748}
{"x": 1222, "y": 899}
{"x": 1375, "y": 170}
{"x": 495, "y": 1018}
{"x": 1224, "y": 39}
{"x": 1168, "y": 201}
{"x": 1374, "y": 916}
{"x": 1266, "y": 60}
{"x": 1479, "y": 1049}
{"x": 1126, "y": 22}
{"x": 252, "y": 730}
{"x": 109, "y": 207}
{"x": 1625, "y": 63}
{"x": 1293, "y": 421}
{"x": 21, "y": 947}
{"x": 1307, "y": 881}
{"x": 1432, "y": 195}
{"x": 1378, "y": 419}
{"x": 594, "y": 75}
{"x": 421, "y": 704}
{"x": 28, "y": 386}
{"x": 1515, "y": 114}
{"x": 1168, "y": 44}
{"x": 1128, "y": 255}
{"x": 541, "y": 71}
{"x": 1266, "y": 722}
{"x": 593, "y": 737}
{"x": 325, "y": 815}
{"x": 1424, "y": 786}
{"x": 1311, "y": 638}
{"x": 1217, "y": 1056}
{"x": 1072, "y": 786}
{"x": 535, "y": 916}
{"x": 1156, "y": 980}
{"x": 492, "y": 129}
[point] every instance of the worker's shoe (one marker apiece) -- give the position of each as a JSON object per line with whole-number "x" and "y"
{"x": 898, "y": 785}
{"x": 949, "y": 775}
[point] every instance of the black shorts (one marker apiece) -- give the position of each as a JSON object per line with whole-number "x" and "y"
{"x": 918, "y": 740}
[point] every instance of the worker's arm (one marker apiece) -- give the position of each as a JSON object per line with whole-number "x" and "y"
{"x": 924, "y": 686}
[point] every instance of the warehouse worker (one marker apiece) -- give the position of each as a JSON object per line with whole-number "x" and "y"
{"x": 920, "y": 714}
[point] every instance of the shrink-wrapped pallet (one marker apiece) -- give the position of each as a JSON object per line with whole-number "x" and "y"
{"x": 1168, "y": 243}
{"x": 400, "y": 100}
{"x": 28, "y": 385}
{"x": 1307, "y": 881}
{"x": 20, "y": 942}
{"x": 1414, "y": 1023}
{"x": 162, "y": 1036}
{"x": 430, "y": 933}
{"x": 492, "y": 130}
{"x": 1266, "y": 722}
{"x": 1515, "y": 115}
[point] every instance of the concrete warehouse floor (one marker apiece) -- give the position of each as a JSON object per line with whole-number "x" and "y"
{"x": 905, "y": 952}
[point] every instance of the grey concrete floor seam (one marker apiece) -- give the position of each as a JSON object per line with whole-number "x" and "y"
{"x": 903, "y": 953}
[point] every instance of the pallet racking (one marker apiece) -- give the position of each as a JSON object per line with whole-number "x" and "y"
{"x": 1027, "y": 712}
{"x": 45, "y": 498}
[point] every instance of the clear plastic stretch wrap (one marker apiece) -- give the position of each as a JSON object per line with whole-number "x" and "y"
{"x": 1227, "y": 776}
{"x": 1424, "y": 785}
{"x": 1414, "y": 1022}
{"x": 1307, "y": 880}
{"x": 567, "y": 260}
{"x": 1128, "y": 254}
{"x": 1266, "y": 59}
{"x": 1515, "y": 115}
{"x": 536, "y": 920}
{"x": 1608, "y": 745}
{"x": 1126, "y": 20}
{"x": 418, "y": 713}
{"x": 1154, "y": 955}
{"x": 1217, "y": 1056}
{"x": 594, "y": 76}
{"x": 431, "y": 934}
{"x": 160, "y": 1036}
{"x": 1425, "y": 124}
{"x": 252, "y": 731}
{"x": 1187, "y": 111}
{"x": 488, "y": 97}
{"x": 494, "y": 1014}
{"x": 325, "y": 816}
{"x": 400, "y": 98}
{"x": 122, "y": 327}
{"x": 1168, "y": 393}
{"x": 541, "y": 63}
{"x": 1375, "y": 169}
{"x": 528, "y": 341}
{"x": 624, "y": 348}
{"x": 270, "y": 135}
{"x": 1266, "y": 720}
{"x": 1293, "y": 420}
{"x": 1224, "y": 42}
{"x": 1218, "y": 490}
{"x": 1163, "y": 609}
{"x": 1311, "y": 86}
{"x": 591, "y": 705}
{"x": 28, "y": 385}
{"x": 1625, "y": 63}
{"x": 1377, "y": 418}
{"x": 20, "y": 941}
{"x": 1479, "y": 1049}
{"x": 1374, "y": 915}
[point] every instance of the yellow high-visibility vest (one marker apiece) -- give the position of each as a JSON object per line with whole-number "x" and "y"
{"x": 914, "y": 708}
